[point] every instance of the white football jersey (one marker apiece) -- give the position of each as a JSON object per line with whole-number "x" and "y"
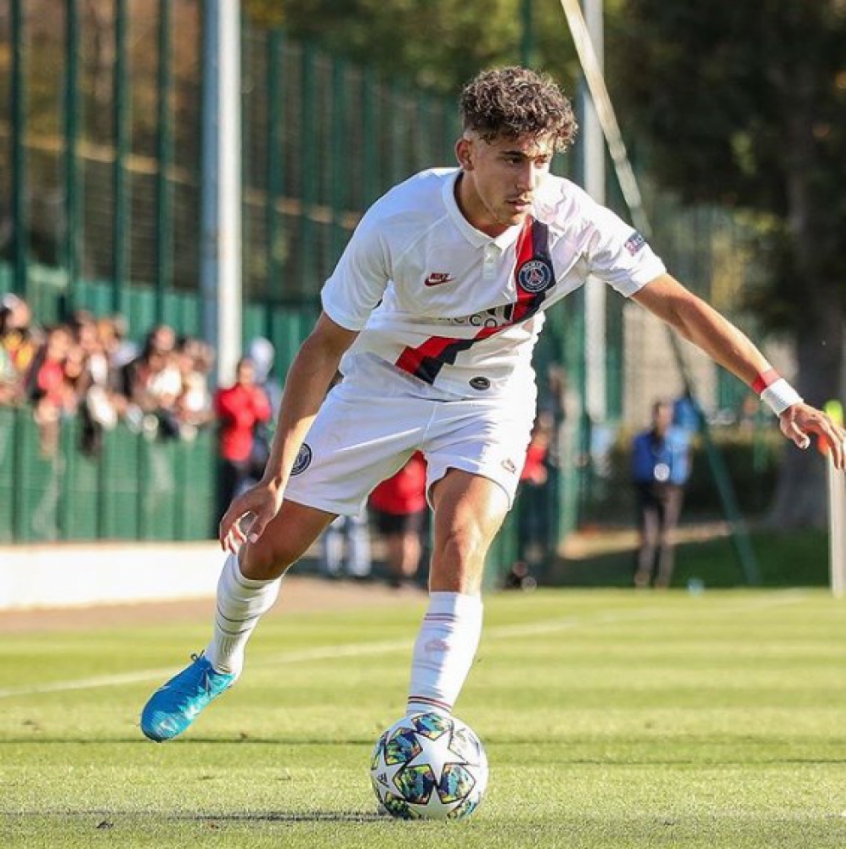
{"x": 458, "y": 309}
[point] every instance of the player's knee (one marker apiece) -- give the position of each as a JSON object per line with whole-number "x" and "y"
{"x": 266, "y": 560}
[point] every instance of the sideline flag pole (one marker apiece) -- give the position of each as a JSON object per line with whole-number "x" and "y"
{"x": 836, "y": 512}
{"x": 592, "y": 70}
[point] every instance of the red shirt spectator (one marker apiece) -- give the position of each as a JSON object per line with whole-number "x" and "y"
{"x": 240, "y": 408}
{"x": 405, "y": 492}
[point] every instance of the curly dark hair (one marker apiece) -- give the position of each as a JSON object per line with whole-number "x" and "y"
{"x": 514, "y": 102}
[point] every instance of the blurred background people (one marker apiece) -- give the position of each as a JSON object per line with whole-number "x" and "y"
{"x": 345, "y": 548}
{"x": 194, "y": 359}
{"x": 19, "y": 338}
{"x": 263, "y": 354}
{"x": 50, "y": 385}
{"x": 400, "y": 511}
{"x": 532, "y": 504}
{"x": 660, "y": 469}
{"x": 153, "y": 384}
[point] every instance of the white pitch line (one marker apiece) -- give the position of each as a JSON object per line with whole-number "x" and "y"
{"x": 388, "y": 646}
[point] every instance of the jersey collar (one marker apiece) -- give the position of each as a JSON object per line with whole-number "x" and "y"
{"x": 470, "y": 233}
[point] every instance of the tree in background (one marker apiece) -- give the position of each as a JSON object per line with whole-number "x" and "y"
{"x": 743, "y": 104}
{"x": 437, "y": 45}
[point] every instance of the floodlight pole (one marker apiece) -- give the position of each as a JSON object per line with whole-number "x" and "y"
{"x": 220, "y": 248}
{"x": 591, "y": 157}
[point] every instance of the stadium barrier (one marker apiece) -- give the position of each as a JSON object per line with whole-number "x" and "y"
{"x": 134, "y": 488}
{"x": 82, "y": 575}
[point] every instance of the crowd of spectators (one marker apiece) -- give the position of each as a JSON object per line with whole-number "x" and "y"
{"x": 87, "y": 367}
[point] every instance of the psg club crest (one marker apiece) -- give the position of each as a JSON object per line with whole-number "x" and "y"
{"x": 303, "y": 460}
{"x": 535, "y": 275}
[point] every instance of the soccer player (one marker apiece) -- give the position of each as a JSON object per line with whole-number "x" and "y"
{"x": 431, "y": 315}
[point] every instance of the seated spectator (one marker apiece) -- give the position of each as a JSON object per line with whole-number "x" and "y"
{"x": 239, "y": 409}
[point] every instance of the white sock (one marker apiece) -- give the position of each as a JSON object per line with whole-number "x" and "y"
{"x": 444, "y": 651}
{"x": 240, "y": 603}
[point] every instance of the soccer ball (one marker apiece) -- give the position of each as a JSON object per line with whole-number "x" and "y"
{"x": 429, "y": 766}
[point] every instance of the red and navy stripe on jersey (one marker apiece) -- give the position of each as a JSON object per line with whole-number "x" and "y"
{"x": 534, "y": 275}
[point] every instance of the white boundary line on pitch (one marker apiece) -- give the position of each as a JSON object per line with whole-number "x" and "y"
{"x": 387, "y": 646}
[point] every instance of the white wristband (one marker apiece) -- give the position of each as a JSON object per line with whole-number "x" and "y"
{"x": 780, "y": 395}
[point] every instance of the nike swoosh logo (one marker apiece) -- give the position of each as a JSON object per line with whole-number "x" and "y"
{"x": 437, "y": 278}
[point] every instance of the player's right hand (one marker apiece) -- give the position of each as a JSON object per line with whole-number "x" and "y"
{"x": 255, "y": 508}
{"x": 801, "y": 421}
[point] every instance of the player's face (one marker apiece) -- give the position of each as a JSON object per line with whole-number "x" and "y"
{"x": 500, "y": 179}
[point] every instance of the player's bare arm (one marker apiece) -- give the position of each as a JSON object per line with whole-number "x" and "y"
{"x": 714, "y": 334}
{"x": 309, "y": 377}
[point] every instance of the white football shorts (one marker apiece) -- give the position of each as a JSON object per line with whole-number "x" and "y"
{"x": 377, "y": 417}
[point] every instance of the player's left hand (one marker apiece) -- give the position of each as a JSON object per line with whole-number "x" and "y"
{"x": 255, "y": 508}
{"x": 799, "y": 422}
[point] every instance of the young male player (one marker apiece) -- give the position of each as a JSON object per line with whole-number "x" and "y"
{"x": 432, "y": 314}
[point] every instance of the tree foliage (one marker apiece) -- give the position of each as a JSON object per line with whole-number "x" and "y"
{"x": 436, "y": 45}
{"x": 743, "y": 104}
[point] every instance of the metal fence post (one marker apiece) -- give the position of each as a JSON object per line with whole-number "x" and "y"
{"x": 71, "y": 153}
{"x": 20, "y": 217}
{"x": 275, "y": 171}
{"x": 164, "y": 144}
{"x": 120, "y": 259}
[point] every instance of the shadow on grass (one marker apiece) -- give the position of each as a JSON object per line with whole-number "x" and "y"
{"x": 791, "y": 559}
{"x": 206, "y": 741}
{"x": 110, "y": 816}
{"x": 282, "y": 816}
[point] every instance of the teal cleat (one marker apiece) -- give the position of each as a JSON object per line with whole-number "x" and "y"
{"x": 174, "y": 706}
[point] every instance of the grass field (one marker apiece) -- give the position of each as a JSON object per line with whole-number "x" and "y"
{"x": 611, "y": 719}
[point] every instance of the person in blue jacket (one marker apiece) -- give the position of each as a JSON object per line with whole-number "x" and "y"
{"x": 660, "y": 470}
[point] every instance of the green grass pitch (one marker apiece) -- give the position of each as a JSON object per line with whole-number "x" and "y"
{"x": 611, "y": 719}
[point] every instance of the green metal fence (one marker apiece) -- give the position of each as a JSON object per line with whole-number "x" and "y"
{"x": 133, "y": 488}
{"x": 100, "y": 116}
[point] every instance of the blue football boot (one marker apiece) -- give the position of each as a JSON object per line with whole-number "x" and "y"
{"x": 175, "y": 705}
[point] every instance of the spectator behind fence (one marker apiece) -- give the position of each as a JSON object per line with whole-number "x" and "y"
{"x": 101, "y": 405}
{"x": 50, "y": 385}
{"x": 194, "y": 360}
{"x": 153, "y": 384}
{"x": 18, "y": 336}
{"x": 263, "y": 354}
{"x": 398, "y": 505}
{"x": 11, "y": 388}
{"x": 660, "y": 470}
{"x": 239, "y": 409}
{"x": 533, "y": 512}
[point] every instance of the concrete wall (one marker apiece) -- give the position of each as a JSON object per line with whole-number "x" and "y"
{"x": 77, "y": 575}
